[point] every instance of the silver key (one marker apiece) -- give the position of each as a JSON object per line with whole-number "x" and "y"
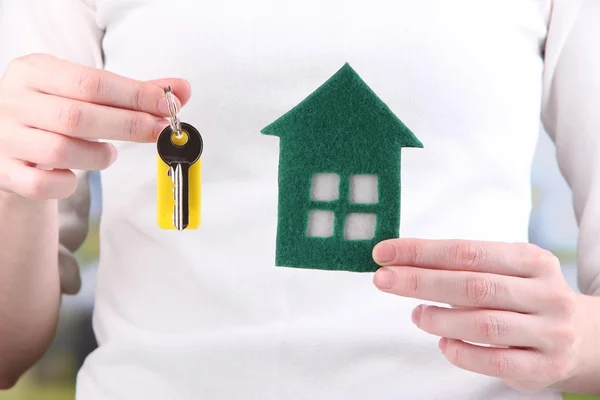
{"x": 180, "y": 159}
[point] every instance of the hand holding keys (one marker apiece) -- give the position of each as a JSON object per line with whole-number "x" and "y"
{"x": 179, "y": 148}
{"x": 55, "y": 116}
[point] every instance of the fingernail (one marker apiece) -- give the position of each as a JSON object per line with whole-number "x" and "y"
{"x": 416, "y": 315}
{"x": 384, "y": 278}
{"x": 162, "y": 106}
{"x": 384, "y": 253}
{"x": 443, "y": 344}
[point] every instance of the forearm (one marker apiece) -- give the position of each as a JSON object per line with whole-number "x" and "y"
{"x": 29, "y": 283}
{"x": 587, "y": 376}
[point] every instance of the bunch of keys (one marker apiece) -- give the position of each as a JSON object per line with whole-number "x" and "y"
{"x": 179, "y": 148}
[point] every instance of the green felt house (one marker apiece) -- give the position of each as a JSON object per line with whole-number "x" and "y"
{"x": 339, "y": 176}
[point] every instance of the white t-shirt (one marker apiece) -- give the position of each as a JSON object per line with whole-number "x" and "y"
{"x": 205, "y": 314}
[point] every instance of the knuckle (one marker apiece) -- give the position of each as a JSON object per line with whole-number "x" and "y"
{"x": 15, "y": 66}
{"x": 90, "y": 85}
{"x": 411, "y": 252}
{"x": 413, "y": 283}
{"x": 28, "y": 61}
{"x": 549, "y": 369}
{"x": 138, "y": 96}
{"x": 17, "y": 69}
{"x": 502, "y": 364}
{"x": 36, "y": 58}
{"x": 70, "y": 118}
{"x": 564, "y": 336}
{"x": 491, "y": 327}
{"x": 564, "y": 305}
{"x": 135, "y": 126}
{"x": 22, "y": 68}
{"x": 560, "y": 368}
{"x": 22, "y": 72}
{"x": 537, "y": 258}
{"x": 469, "y": 254}
{"x": 481, "y": 290}
{"x": 548, "y": 259}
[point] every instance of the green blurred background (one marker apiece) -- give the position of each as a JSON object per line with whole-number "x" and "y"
{"x": 552, "y": 227}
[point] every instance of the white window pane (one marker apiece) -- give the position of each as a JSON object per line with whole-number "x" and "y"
{"x": 320, "y": 223}
{"x": 360, "y": 226}
{"x": 325, "y": 187}
{"x": 364, "y": 189}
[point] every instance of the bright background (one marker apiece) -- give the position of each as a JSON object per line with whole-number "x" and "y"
{"x": 553, "y": 227}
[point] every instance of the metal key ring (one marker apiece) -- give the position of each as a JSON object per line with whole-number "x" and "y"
{"x": 173, "y": 112}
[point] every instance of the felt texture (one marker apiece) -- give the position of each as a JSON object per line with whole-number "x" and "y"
{"x": 342, "y": 128}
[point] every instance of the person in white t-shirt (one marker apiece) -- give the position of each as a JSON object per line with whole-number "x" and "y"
{"x": 206, "y": 313}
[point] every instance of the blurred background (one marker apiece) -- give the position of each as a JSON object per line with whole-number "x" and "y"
{"x": 553, "y": 227}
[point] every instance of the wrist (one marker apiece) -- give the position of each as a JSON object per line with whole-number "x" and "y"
{"x": 584, "y": 379}
{"x": 23, "y": 217}
{"x": 17, "y": 203}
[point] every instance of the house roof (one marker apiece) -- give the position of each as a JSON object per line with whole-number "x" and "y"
{"x": 344, "y": 106}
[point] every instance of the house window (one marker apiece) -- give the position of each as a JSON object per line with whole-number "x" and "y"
{"x": 359, "y": 226}
{"x": 325, "y": 187}
{"x": 364, "y": 189}
{"x": 320, "y": 223}
{"x": 355, "y": 203}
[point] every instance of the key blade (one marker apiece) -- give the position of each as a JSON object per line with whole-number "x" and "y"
{"x": 171, "y": 174}
{"x": 178, "y": 211}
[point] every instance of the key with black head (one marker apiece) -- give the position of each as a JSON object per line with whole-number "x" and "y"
{"x": 180, "y": 150}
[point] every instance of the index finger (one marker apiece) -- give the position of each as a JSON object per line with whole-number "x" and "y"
{"x": 513, "y": 259}
{"x": 70, "y": 80}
